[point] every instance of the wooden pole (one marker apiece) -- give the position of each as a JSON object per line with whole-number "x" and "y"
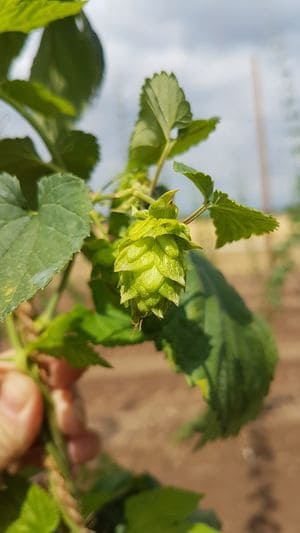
{"x": 262, "y": 154}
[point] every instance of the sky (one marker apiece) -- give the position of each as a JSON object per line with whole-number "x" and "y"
{"x": 208, "y": 44}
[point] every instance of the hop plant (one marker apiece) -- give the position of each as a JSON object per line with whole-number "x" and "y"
{"x": 150, "y": 259}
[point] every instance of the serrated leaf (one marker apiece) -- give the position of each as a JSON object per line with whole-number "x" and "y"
{"x": 39, "y": 513}
{"x": 26, "y": 15}
{"x": 36, "y": 245}
{"x": 202, "y": 181}
{"x": 163, "y": 510}
{"x": 11, "y": 44}
{"x": 77, "y": 80}
{"x": 162, "y": 107}
{"x": 234, "y": 221}
{"x": 232, "y": 356}
{"x": 79, "y": 152}
{"x": 36, "y": 97}
{"x": 196, "y": 132}
{"x": 65, "y": 338}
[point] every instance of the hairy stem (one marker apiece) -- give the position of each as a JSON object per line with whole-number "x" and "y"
{"x": 20, "y": 355}
{"x": 164, "y": 155}
{"x": 195, "y": 214}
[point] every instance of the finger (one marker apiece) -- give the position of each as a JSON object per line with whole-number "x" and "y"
{"x": 69, "y": 413}
{"x": 21, "y": 411}
{"x": 84, "y": 447}
{"x": 6, "y": 361}
{"x": 57, "y": 372}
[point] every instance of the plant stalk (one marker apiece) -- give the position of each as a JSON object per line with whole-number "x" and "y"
{"x": 164, "y": 155}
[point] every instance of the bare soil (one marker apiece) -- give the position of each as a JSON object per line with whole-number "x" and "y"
{"x": 252, "y": 481}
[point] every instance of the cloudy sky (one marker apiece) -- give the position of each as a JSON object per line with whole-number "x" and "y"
{"x": 208, "y": 44}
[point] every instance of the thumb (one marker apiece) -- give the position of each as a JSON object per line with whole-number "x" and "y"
{"x": 21, "y": 411}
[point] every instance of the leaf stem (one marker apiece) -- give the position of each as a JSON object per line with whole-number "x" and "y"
{"x": 49, "y": 311}
{"x": 20, "y": 354}
{"x": 164, "y": 155}
{"x": 29, "y": 117}
{"x": 142, "y": 196}
{"x": 195, "y": 214}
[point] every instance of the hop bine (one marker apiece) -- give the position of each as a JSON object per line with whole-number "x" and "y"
{"x": 150, "y": 259}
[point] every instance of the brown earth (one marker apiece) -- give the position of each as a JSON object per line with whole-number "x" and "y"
{"x": 252, "y": 481}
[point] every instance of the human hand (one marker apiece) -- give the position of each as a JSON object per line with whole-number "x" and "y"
{"x": 21, "y": 413}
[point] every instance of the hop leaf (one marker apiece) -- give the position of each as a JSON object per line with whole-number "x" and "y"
{"x": 150, "y": 260}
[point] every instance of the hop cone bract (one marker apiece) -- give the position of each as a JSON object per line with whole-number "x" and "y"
{"x": 150, "y": 260}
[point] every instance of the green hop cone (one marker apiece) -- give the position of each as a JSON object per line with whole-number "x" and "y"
{"x": 150, "y": 260}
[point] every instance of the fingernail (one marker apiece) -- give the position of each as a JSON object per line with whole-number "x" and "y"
{"x": 15, "y": 392}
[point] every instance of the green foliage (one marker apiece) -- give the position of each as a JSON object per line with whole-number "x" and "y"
{"x": 137, "y": 259}
{"x": 36, "y": 245}
{"x": 36, "y": 97}
{"x": 202, "y": 181}
{"x": 12, "y": 494}
{"x": 79, "y": 152}
{"x": 163, "y": 108}
{"x": 64, "y": 338}
{"x": 20, "y": 158}
{"x": 76, "y": 80}
{"x": 163, "y": 510}
{"x": 26, "y": 15}
{"x": 11, "y": 44}
{"x": 221, "y": 347}
{"x": 196, "y": 132}
{"x": 38, "y": 513}
{"x": 234, "y": 221}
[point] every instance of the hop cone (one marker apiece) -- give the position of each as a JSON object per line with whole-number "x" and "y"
{"x": 150, "y": 260}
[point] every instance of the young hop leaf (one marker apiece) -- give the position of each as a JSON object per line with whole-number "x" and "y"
{"x": 35, "y": 245}
{"x": 163, "y": 108}
{"x": 232, "y": 221}
{"x": 150, "y": 260}
{"x": 26, "y": 15}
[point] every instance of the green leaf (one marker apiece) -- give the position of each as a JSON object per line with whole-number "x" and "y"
{"x": 221, "y": 347}
{"x": 12, "y": 495}
{"x": 26, "y": 15}
{"x": 163, "y": 107}
{"x": 36, "y": 97}
{"x": 76, "y": 80}
{"x": 36, "y": 245}
{"x": 196, "y": 132}
{"x": 203, "y": 528}
{"x": 79, "y": 152}
{"x": 39, "y": 513}
{"x": 115, "y": 329}
{"x": 19, "y": 158}
{"x": 11, "y": 45}
{"x": 202, "y": 181}
{"x": 65, "y": 338}
{"x": 163, "y": 510}
{"x": 234, "y": 221}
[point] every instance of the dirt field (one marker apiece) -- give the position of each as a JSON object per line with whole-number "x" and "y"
{"x": 253, "y": 481}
